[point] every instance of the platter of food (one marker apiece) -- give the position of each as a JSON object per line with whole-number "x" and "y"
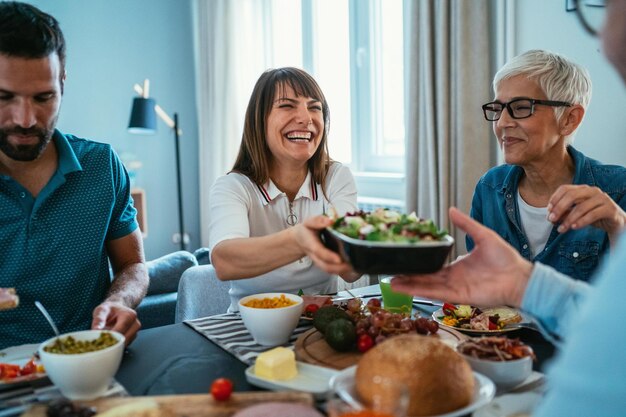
{"x": 342, "y": 333}
{"x": 312, "y": 348}
{"x": 20, "y": 364}
{"x": 388, "y": 242}
{"x": 475, "y": 320}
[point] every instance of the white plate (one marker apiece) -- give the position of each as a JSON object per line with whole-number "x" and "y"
{"x": 510, "y": 404}
{"x": 439, "y": 313}
{"x": 19, "y": 355}
{"x": 311, "y": 378}
{"x": 484, "y": 391}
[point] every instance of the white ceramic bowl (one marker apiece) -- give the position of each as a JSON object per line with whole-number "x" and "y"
{"x": 83, "y": 376}
{"x": 505, "y": 374}
{"x": 271, "y": 326}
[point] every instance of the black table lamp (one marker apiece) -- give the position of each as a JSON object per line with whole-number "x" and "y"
{"x": 143, "y": 121}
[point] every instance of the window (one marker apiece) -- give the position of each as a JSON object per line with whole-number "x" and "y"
{"x": 356, "y": 51}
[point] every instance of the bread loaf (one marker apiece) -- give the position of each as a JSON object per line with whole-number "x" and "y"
{"x": 438, "y": 379}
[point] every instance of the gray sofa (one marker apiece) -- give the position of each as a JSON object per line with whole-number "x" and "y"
{"x": 200, "y": 292}
{"x": 158, "y": 308}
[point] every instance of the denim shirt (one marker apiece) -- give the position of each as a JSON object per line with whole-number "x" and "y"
{"x": 576, "y": 253}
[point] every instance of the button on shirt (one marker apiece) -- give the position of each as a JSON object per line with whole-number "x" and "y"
{"x": 576, "y": 253}
{"x": 240, "y": 208}
{"x": 52, "y": 247}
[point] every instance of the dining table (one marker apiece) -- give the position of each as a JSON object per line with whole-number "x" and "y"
{"x": 177, "y": 359}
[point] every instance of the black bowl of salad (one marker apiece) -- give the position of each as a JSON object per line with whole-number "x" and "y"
{"x": 388, "y": 242}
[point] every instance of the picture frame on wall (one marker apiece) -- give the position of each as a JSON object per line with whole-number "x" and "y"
{"x": 570, "y": 5}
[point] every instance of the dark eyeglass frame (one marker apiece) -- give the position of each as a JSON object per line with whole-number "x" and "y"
{"x": 581, "y": 17}
{"x": 508, "y": 107}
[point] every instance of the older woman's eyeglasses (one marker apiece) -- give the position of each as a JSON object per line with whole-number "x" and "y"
{"x": 520, "y": 108}
{"x": 591, "y": 14}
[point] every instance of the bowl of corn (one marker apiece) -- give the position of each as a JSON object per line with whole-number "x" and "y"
{"x": 271, "y": 317}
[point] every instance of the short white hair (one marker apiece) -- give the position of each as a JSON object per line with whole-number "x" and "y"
{"x": 558, "y": 77}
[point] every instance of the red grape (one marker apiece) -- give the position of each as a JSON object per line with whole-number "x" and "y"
{"x": 374, "y": 302}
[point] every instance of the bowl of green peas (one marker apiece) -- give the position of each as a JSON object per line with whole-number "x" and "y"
{"x": 82, "y": 364}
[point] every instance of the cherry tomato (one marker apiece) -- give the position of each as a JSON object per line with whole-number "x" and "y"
{"x": 29, "y": 368}
{"x": 365, "y": 342}
{"x": 311, "y": 309}
{"x": 449, "y": 309}
{"x": 221, "y": 389}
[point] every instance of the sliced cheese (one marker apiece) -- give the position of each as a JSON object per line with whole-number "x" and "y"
{"x": 137, "y": 408}
{"x": 278, "y": 363}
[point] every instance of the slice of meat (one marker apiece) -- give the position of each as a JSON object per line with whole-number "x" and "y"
{"x": 480, "y": 322}
{"x": 318, "y": 300}
{"x": 8, "y": 298}
{"x": 278, "y": 409}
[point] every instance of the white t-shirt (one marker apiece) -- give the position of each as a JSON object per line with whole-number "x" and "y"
{"x": 240, "y": 208}
{"x": 535, "y": 225}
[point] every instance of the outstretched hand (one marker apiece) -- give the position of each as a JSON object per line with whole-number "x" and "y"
{"x": 493, "y": 273}
{"x": 308, "y": 237}
{"x": 578, "y": 206}
{"x": 117, "y": 317}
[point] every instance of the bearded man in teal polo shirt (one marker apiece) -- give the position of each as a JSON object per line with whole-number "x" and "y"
{"x": 65, "y": 205}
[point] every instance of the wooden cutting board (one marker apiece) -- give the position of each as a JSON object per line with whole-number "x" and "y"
{"x": 312, "y": 348}
{"x": 195, "y": 405}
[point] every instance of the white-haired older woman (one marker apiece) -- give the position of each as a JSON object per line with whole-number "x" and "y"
{"x": 549, "y": 201}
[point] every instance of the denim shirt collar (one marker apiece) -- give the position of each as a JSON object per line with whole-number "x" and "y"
{"x": 582, "y": 173}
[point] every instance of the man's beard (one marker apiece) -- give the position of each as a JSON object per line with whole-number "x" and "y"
{"x": 25, "y": 152}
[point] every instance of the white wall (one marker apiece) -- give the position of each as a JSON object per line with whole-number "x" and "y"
{"x": 544, "y": 24}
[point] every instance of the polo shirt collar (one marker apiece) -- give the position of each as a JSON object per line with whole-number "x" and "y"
{"x": 68, "y": 162}
{"x": 269, "y": 191}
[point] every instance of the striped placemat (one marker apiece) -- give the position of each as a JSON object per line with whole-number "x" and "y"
{"x": 228, "y": 332}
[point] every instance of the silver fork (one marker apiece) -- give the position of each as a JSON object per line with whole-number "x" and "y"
{"x": 51, "y": 322}
{"x": 524, "y": 325}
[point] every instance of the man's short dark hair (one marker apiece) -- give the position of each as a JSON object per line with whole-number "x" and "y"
{"x": 27, "y": 32}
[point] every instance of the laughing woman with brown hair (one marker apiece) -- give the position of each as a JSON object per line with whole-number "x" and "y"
{"x": 267, "y": 212}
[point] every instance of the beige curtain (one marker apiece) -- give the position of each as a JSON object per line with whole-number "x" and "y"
{"x": 448, "y": 141}
{"x": 230, "y": 56}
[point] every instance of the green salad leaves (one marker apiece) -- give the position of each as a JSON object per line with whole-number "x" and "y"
{"x": 384, "y": 225}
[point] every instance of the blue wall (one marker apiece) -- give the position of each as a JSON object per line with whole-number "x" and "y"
{"x": 111, "y": 45}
